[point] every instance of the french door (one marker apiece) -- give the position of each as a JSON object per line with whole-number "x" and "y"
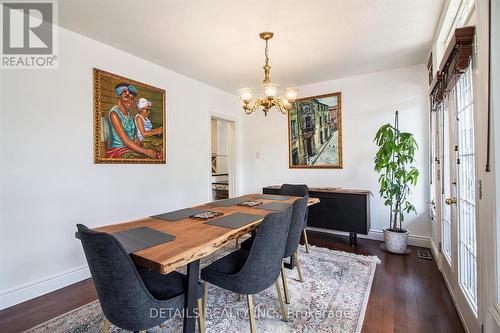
{"x": 459, "y": 253}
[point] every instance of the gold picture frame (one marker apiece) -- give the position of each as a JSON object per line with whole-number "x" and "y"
{"x": 315, "y": 132}
{"x": 108, "y": 146}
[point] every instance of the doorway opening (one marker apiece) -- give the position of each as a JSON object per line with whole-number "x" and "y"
{"x": 222, "y": 158}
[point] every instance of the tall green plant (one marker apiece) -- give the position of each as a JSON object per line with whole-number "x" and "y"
{"x": 394, "y": 162}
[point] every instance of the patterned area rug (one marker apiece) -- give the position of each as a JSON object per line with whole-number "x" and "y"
{"x": 332, "y": 298}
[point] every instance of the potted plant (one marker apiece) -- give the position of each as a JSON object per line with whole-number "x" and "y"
{"x": 394, "y": 163}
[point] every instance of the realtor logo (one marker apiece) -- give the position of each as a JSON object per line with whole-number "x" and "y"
{"x": 28, "y": 34}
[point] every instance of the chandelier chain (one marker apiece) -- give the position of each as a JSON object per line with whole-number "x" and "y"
{"x": 267, "y": 52}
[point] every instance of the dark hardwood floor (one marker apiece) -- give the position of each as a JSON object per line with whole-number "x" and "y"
{"x": 408, "y": 295}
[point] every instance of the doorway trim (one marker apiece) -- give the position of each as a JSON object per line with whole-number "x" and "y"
{"x": 234, "y": 125}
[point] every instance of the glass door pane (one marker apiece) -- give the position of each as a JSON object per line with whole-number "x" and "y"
{"x": 445, "y": 181}
{"x": 466, "y": 194}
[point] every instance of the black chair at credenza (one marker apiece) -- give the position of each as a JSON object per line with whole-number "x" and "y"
{"x": 298, "y": 190}
{"x": 339, "y": 209}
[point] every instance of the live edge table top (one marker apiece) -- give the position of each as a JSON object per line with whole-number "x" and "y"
{"x": 194, "y": 239}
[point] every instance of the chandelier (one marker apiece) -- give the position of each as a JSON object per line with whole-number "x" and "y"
{"x": 282, "y": 103}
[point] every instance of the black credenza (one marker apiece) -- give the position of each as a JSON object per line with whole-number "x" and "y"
{"x": 339, "y": 209}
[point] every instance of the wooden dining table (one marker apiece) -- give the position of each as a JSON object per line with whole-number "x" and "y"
{"x": 193, "y": 240}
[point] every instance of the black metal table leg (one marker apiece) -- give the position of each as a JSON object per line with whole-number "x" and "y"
{"x": 190, "y": 302}
{"x": 353, "y": 239}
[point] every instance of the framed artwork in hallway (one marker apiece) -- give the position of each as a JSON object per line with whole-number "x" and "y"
{"x": 129, "y": 120}
{"x": 315, "y": 132}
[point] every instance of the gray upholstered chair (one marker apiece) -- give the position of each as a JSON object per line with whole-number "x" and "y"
{"x": 250, "y": 272}
{"x": 128, "y": 296}
{"x": 292, "y": 243}
{"x": 297, "y": 190}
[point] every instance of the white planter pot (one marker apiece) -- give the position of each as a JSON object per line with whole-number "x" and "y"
{"x": 396, "y": 242}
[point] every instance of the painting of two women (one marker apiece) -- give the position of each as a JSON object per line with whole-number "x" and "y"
{"x": 129, "y": 120}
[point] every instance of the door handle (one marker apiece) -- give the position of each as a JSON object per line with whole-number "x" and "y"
{"x": 450, "y": 201}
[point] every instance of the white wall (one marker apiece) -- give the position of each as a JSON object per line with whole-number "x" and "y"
{"x": 49, "y": 181}
{"x": 368, "y": 102}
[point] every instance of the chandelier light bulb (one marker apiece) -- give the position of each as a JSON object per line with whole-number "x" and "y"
{"x": 291, "y": 94}
{"x": 246, "y": 94}
{"x": 286, "y": 102}
{"x": 271, "y": 89}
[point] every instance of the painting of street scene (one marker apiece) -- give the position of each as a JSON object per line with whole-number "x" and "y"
{"x": 315, "y": 132}
{"x": 129, "y": 120}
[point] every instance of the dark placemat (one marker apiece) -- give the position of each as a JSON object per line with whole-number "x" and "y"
{"x": 178, "y": 214}
{"x": 235, "y": 221}
{"x": 272, "y": 197}
{"x": 274, "y": 206}
{"x": 137, "y": 239}
{"x": 228, "y": 202}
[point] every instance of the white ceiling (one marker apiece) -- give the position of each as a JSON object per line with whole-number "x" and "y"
{"x": 216, "y": 41}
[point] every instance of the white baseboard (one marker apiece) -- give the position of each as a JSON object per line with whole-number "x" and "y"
{"x": 450, "y": 290}
{"x": 435, "y": 254}
{"x": 27, "y": 292}
{"x": 414, "y": 240}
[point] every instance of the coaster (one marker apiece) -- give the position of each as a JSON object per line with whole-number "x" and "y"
{"x": 206, "y": 215}
{"x": 250, "y": 203}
